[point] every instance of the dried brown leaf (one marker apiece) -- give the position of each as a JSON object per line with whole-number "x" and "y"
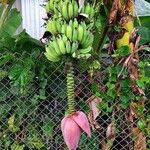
{"x": 113, "y": 13}
{"x": 93, "y": 103}
{"x": 111, "y": 130}
{"x": 140, "y": 141}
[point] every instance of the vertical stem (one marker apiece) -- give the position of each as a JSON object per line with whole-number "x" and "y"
{"x": 70, "y": 88}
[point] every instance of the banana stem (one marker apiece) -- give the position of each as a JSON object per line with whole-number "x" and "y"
{"x": 70, "y": 88}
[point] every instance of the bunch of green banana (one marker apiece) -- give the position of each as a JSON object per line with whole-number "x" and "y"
{"x": 88, "y": 10}
{"x": 58, "y": 47}
{"x": 77, "y": 32}
{"x": 69, "y": 37}
{"x": 69, "y": 9}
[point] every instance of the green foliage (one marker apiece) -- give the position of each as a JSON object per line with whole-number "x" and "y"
{"x": 21, "y": 74}
{"x": 122, "y": 52}
{"x": 144, "y": 78}
{"x": 11, "y": 24}
{"x": 145, "y": 35}
{"x": 142, "y": 124}
{"x": 16, "y": 146}
{"x": 89, "y": 144}
{"x": 144, "y": 20}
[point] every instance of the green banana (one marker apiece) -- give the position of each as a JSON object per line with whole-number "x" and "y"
{"x": 64, "y": 38}
{"x": 75, "y": 35}
{"x": 68, "y": 47}
{"x": 64, "y": 11}
{"x": 63, "y": 28}
{"x": 56, "y": 47}
{"x": 69, "y": 32}
{"x": 71, "y": 24}
{"x": 49, "y": 57}
{"x": 70, "y": 10}
{"x": 88, "y": 40}
{"x": 85, "y": 50}
{"x": 74, "y": 47}
{"x": 75, "y": 23}
{"x": 58, "y": 25}
{"x": 84, "y": 38}
{"x": 51, "y": 53}
{"x": 61, "y": 45}
{"x": 54, "y": 27}
{"x": 51, "y": 26}
{"x": 75, "y": 9}
{"x": 80, "y": 33}
{"x": 88, "y": 10}
{"x": 51, "y": 5}
{"x": 92, "y": 12}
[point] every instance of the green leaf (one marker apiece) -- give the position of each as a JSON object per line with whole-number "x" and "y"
{"x": 94, "y": 88}
{"x": 48, "y": 128}
{"x": 141, "y": 109}
{"x": 24, "y": 42}
{"x": 5, "y": 59}
{"x": 122, "y": 51}
{"x": 125, "y": 101}
{"x": 35, "y": 142}
{"x": 144, "y": 34}
{"x": 91, "y": 144}
{"x": 140, "y": 83}
{"x": 95, "y": 64}
{"x": 12, "y": 23}
{"x": 3, "y": 74}
{"x": 111, "y": 92}
{"x": 142, "y": 124}
{"x": 6, "y": 43}
{"x": 1, "y": 9}
{"x": 16, "y": 146}
{"x": 125, "y": 83}
{"x": 21, "y": 74}
{"x": 144, "y": 20}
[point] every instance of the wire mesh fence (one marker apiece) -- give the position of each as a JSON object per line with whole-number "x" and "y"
{"x": 33, "y": 101}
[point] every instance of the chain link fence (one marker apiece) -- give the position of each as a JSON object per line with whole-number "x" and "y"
{"x": 33, "y": 102}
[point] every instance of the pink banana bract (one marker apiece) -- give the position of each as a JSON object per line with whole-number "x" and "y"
{"x": 72, "y": 126}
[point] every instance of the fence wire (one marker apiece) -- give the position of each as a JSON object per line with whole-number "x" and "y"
{"x": 33, "y": 101}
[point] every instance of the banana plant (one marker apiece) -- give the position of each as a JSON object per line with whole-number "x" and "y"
{"x": 70, "y": 38}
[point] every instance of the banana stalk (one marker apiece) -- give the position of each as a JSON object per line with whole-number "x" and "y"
{"x": 70, "y": 88}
